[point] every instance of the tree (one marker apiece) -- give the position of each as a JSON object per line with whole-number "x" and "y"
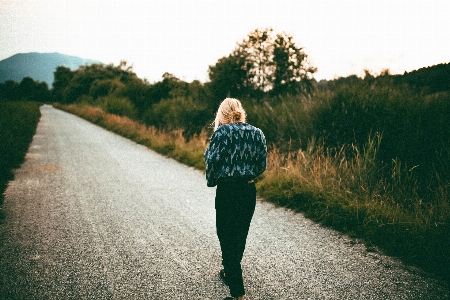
{"x": 31, "y": 90}
{"x": 228, "y": 78}
{"x": 256, "y": 51}
{"x": 41, "y": 92}
{"x": 104, "y": 87}
{"x": 169, "y": 87}
{"x": 263, "y": 62}
{"x": 62, "y": 77}
{"x": 27, "y": 90}
{"x": 293, "y": 73}
{"x": 95, "y": 81}
{"x": 9, "y": 90}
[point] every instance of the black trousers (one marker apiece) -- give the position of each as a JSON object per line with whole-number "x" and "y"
{"x": 235, "y": 204}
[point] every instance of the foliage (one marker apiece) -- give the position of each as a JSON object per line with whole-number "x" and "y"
{"x": 95, "y": 80}
{"x": 284, "y": 120}
{"x": 414, "y": 127}
{"x": 430, "y": 80}
{"x": 228, "y": 78}
{"x": 179, "y": 113}
{"x": 171, "y": 87}
{"x": 170, "y": 103}
{"x": 27, "y": 90}
{"x": 62, "y": 78}
{"x": 424, "y": 81}
{"x": 18, "y": 122}
{"x": 120, "y": 106}
{"x": 263, "y": 62}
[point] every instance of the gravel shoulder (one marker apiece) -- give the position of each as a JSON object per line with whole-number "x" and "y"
{"x": 92, "y": 215}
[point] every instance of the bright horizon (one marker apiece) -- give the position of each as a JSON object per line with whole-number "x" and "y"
{"x": 340, "y": 37}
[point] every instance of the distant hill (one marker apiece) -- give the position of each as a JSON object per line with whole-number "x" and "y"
{"x": 39, "y": 66}
{"x": 432, "y": 79}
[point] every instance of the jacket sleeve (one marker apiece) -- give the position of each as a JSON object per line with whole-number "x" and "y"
{"x": 212, "y": 158}
{"x": 261, "y": 163}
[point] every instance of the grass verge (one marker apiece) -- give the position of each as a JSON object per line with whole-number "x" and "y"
{"x": 18, "y": 122}
{"x": 350, "y": 196}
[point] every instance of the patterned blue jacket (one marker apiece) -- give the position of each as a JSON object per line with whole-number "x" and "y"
{"x": 236, "y": 149}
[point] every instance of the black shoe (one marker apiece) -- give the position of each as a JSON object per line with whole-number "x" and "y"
{"x": 224, "y": 278}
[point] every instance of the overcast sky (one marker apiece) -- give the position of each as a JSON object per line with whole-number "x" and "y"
{"x": 185, "y": 37}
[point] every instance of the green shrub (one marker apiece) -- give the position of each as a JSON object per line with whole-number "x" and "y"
{"x": 178, "y": 114}
{"x": 120, "y": 106}
{"x": 18, "y": 122}
{"x": 415, "y": 128}
{"x": 284, "y": 120}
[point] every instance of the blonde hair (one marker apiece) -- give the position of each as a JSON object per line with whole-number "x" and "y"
{"x": 230, "y": 111}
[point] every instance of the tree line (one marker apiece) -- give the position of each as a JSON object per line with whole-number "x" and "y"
{"x": 27, "y": 90}
{"x": 263, "y": 64}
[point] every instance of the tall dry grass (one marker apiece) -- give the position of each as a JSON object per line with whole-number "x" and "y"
{"x": 358, "y": 196}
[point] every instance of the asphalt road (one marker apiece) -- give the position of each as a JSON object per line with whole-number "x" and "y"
{"x": 92, "y": 215}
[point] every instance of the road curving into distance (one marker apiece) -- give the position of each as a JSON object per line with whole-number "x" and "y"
{"x": 92, "y": 215}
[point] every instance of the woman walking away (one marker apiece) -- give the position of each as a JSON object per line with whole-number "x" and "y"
{"x": 237, "y": 154}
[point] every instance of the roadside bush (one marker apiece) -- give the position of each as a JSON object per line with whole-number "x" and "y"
{"x": 179, "y": 113}
{"x": 415, "y": 128}
{"x": 347, "y": 193}
{"x": 18, "y": 122}
{"x": 120, "y": 106}
{"x": 284, "y": 120}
